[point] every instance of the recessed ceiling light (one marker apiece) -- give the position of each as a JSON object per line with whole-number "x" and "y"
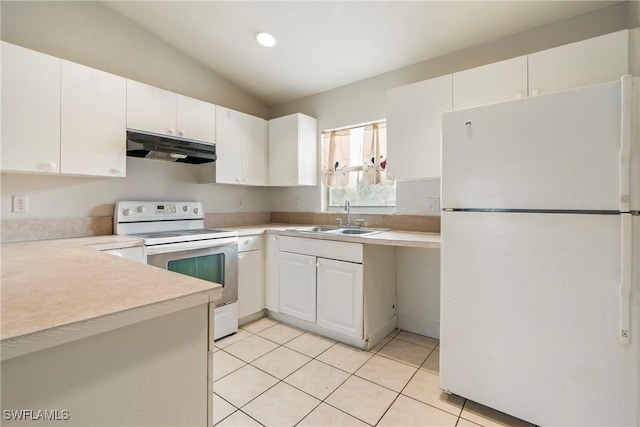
{"x": 266, "y": 39}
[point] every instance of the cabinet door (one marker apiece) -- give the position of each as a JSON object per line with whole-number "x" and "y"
{"x": 414, "y": 121}
{"x": 195, "y": 119}
{"x": 30, "y": 110}
{"x": 254, "y": 150}
{"x": 340, "y": 297}
{"x": 93, "y": 122}
{"x": 298, "y": 286}
{"x": 228, "y": 146}
{"x": 272, "y": 276}
{"x": 588, "y": 62}
{"x": 293, "y": 151}
{"x": 500, "y": 81}
{"x": 250, "y": 283}
{"x": 283, "y": 151}
{"x": 150, "y": 108}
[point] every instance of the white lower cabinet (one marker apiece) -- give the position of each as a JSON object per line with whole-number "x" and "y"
{"x": 134, "y": 254}
{"x": 340, "y": 296}
{"x": 271, "y": 275}
{"x": 298, "y": 286}
{"x": 351, "y": 299}
{"x": 250, "y": 276}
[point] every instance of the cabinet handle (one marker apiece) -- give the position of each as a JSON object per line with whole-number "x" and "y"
{"x": 240, "y": 256}
{"x": 311, "y": 262}
{"x": 181, "y": 132}
{"x": 51, "y": 167}
{"x": 237, "y": 179}
{"x": 244, "y": 180}
{"x": 171, "y": 131}
{"x": 117, "y": 172}
{"x": 535, "y": 92}
{"x": 518, "y": 95}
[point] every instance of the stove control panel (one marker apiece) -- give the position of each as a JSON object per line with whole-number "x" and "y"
{"x": 132, "y": 211}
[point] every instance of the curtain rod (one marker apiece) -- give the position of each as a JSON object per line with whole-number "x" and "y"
{"x": 354, "y": 126}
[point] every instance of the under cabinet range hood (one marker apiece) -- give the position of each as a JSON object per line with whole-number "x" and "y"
{"x": 163, "y": 147}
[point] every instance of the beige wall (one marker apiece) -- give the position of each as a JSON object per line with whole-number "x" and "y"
{"x": 364, "y": 101}
{"x": 91, "y": 34}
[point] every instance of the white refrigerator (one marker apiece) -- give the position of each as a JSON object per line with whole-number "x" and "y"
{"x": 539, "y": 258}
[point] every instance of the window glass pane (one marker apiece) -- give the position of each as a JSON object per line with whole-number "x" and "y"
{"x": 358, "y": 192}
{"x": 208, "y": 267}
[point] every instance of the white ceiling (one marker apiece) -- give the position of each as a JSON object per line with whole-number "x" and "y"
{"x": 327, "y": 44}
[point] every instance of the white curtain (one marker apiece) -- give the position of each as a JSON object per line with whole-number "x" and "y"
{"x": 374, "y": 160}
{"x": 335, "y": 158}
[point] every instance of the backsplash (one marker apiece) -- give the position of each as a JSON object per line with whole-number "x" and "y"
{"x": 55, "y": 228}
{"x": 397, "y": 222}
{"x": 64, "y": 228}
{"x": 213, "y": 220}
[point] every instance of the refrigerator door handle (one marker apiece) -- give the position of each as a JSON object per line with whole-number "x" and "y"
{"x": 625, "y": 279}
{"x": 625, "y": 143}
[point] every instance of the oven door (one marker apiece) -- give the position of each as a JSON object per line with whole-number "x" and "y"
{"x": 214, "y": 260}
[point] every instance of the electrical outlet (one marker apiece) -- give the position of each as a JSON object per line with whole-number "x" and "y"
{"x": 296, "y": 203}
{"x": 20, "y": 204}
{"x": 433, "y": 204}
{"x": 240, "y": 203}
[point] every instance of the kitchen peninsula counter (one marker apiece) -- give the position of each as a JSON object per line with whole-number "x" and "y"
{"x": 55, "y": 291}
{"x": 104, "y": 339}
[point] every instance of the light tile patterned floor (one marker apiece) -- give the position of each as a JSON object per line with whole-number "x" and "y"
{"x": 270, "y": 374}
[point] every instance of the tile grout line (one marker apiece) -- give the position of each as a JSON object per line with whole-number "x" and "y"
{"x": 371, "y": 354}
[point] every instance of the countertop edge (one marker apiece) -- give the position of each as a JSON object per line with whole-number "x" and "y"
{"x": 411, "y": 239}
{"x": 40, "y": 340}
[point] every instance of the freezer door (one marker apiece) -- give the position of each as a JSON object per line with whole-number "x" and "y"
{"x": 559, "y": 151}
{"x": 530, "y": 317}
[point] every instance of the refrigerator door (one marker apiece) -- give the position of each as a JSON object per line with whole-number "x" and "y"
{"x": 530, "y": 317}
{"x": 559, "y": 151}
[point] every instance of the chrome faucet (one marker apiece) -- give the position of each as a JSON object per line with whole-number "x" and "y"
{"x": 347, "y": 207}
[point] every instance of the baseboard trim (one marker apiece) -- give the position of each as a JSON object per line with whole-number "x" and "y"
{"x": 419, "y": 326}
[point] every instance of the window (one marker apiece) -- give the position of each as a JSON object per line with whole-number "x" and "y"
{"x": 354, "y": 167}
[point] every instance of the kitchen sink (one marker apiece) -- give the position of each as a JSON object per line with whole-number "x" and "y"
{"x": 327, "y": 229}
{"x": 356, "y": 231}
{"x": 316, "y": 229}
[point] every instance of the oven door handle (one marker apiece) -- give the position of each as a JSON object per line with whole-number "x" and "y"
{"x": 186, "y": 246}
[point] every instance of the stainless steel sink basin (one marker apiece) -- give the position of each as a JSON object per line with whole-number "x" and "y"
{"x": 327, "y": 229}
{"x": 355, "y": 231}
{"x": 316, "y": 229}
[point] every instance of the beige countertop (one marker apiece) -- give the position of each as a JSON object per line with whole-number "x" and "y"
{"x": 53, "y": 284}
{"x": 414, "y": 239}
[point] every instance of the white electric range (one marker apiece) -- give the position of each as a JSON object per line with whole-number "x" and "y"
{"x": 176, "y": 239}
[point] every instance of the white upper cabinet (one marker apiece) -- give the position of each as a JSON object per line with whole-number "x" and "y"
{"x": 150, "y": 108}
{"x": 587, "y": 62}
{"x": 293, "y": 156}
{"x": 254, "y": 150}
{"x": 414, "y": 122}
{"x": 497, "y": 82}
{"x": 30, "y": 110}
{"x": 159, "y": 111}
{"x": 228, "y": 167}
{"x": 195, "y": 119}
{"x": 93, "y": 122}
{"x": 241, "y": 147}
